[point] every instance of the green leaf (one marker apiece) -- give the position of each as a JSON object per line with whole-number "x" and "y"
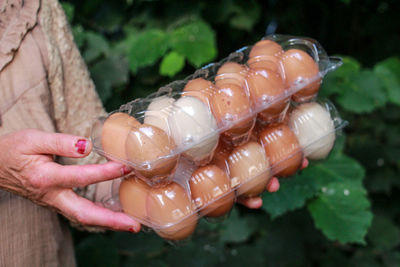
{"x": 337, "y": 168}
{"x": 342, "y": 212}
{"x": 171, "y": 64}
{"x": 79, "y": 35}
{"x": 195, "y": 41}
{"x": 349, "y": 67}
{"x": 236, "y": 229}
{"x": 292, "y": 194}
{"x": 384, "y": 234}
{"x": 109, "y": 72}
{"x": 96, "y": 45}
{"x": 246, "y": 16}
{"x": 339, "y": 81}
{"x": 69, "y": 10}
{"x": 389, "y": 72}
{"x": 339, "y": 144}
{"x": 147, "y": 48}
{"x": 97, "y": 250}
{"x": 341, "y": 209}
{"x": 364, "y": 94}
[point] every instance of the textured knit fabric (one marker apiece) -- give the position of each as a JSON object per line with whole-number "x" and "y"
{"x": 44, "y": 84}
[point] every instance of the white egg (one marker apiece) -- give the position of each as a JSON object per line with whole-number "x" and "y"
{"x": 314, "y": 129}
{"x": 193, "y": 126}
{"x": 158, "y": 111}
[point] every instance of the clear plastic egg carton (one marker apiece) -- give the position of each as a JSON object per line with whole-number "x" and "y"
{"x": 197, "y": 144}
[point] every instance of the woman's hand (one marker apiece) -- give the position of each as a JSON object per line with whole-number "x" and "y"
{"x": 27, "y": 168}
{"x": 272, "y": 186}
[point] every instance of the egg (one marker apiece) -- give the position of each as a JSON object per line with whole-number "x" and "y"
{"x": 231, "y": 107}
{"x": 266, "y": 54}
{"x": 267, "y": 93}
{"x": 249, "y": 169}
{"x": 221, "y": 155}
{"x": 170, "y": 210}
{"x": 152, "y": 150}
{"x": 194, "y": 128}
{"x": 158, "y": 111}
{"x": 114, "y": 134}
{"x": 282, "y": 149}
{"x": 314, "y": 129}
{"x": 199, "y": 88}
{"x": 258, "y": 128}
{"x": 132, "y": 196}
{"x": 231, "y": 72}
{"x": 301, "y": 67}
{"x": 266, "y": 48}
{"x": 211, "y": 191}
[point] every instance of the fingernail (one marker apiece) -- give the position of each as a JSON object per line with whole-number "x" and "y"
{"x": 134, "y": 229}
{"x": 81, "y": 146}
{"x": 125, "y": 170}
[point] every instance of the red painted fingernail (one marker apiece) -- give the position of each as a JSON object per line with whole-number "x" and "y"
{"x": 304, "y": 163}
{"x": 131, "y": 230}
{"x": 81, "y": 146}
{"x": 126, "y": 170}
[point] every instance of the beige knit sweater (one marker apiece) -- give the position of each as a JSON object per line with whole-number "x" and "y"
{"x": 44, "y": 83}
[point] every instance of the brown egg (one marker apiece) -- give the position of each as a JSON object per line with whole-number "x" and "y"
{"x": 266, "y": 48}
{"x": 267, "y": 89}
{"x": 266, "y": 54}
{"x": 221, "y": 155}
{"x": 132, "y": 196}
{"x": 152, "y": 148}
{"x": 114, "y": 134}
{"x": 170, "y": 208}
{"x": 199, "y": 88}
{"x": 299, "y": 67}
{"x": 210, "y": 188}
{"x": 231, "y": 108}
{"x": 258, "y": 128}
{"x": 231, "y": 72}
{"x": 286, "y": 116}
{"x": 249, "y": 168}
{"x": 282, "y": 148}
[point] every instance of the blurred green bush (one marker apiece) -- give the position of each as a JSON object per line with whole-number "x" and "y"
{"x": 132, "y": 47}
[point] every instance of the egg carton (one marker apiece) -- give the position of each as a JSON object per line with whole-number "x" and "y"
{"x": 172, "y": 209}
{"x": 233, "y": 120}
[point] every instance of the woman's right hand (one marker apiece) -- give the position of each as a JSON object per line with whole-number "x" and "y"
{"x": 27, "y": 168}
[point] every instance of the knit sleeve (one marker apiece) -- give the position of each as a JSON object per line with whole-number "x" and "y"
{"x": 77, "y": 103}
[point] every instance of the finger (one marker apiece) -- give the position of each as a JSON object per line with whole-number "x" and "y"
{"x": 87, "y": 213}
{"x": 273, "y": 185}
{"x": 81, "y": 175}
{"x": 251, "y": 203}
{"x": 304, "y": 164}
{"x": 66, "y": 145}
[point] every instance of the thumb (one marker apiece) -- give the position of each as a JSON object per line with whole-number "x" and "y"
{"x": 66, "y": 145}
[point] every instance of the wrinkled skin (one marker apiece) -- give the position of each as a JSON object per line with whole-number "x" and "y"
{"x": 27, "y": 168}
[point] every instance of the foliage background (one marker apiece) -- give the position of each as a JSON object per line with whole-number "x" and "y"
{"x": 343, "y": 211}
